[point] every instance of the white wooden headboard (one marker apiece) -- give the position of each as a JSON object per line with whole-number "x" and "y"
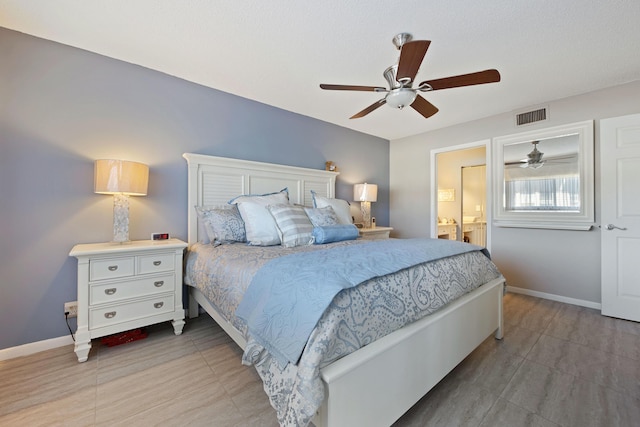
{"x": 216, "y": 180}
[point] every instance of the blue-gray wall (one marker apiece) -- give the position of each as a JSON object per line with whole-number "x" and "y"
{"x": 61, "y": 108}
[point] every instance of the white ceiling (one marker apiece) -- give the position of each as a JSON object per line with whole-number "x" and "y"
{"x": 277, "y": 52}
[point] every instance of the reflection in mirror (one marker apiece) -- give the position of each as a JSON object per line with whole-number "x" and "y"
{"x": 542, "y": 175}
{"x": 547, "y": 178}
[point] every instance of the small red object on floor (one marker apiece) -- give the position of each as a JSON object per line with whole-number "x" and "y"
{"x": 124, "y": 337}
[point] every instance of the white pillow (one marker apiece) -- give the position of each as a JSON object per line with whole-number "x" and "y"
{"x": 340, "y": 207}
{"x": 260, "y": 227}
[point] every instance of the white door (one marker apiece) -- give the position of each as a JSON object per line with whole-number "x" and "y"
{"x": 620, "y": 188}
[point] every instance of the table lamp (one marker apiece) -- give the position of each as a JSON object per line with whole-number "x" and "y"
{"x": 365, "y": 194}
{"x": 121, "y": 178}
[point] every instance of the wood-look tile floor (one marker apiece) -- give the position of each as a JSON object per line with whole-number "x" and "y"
{"x": 558, "y": 365}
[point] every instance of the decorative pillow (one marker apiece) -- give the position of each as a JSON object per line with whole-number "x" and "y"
{"x": 223, "y": 224}
{"x": 341, "y": 207}
{"x": 276, "y": 196}
{"x": 259, "y": 225}
{"x": 321, "y": 217}
{"x": 334, "y": 233}
{"x": 293, "y": 225}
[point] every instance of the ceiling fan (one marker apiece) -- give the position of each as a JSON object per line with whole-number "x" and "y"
{"x": 534, "y": 159}
{"x": 400, "y": 78}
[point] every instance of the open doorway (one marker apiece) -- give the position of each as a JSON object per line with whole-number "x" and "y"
{"x": 459, "y": 193}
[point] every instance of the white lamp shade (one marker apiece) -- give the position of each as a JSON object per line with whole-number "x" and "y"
{"x": 121, "y": 176}
{"x": 365, "y": 192}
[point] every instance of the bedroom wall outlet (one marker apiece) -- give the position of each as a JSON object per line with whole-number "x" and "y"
{"x": 159, "y": 236}
{"x": 71, "y": 308}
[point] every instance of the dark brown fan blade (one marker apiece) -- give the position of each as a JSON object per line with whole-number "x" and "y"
{"x": 424, "y": 107}
{"x": 481, "y": 77}
{"x": 347, "y": 87}
{"x": 411, "y": 57}
{"x": 369, "y": 109}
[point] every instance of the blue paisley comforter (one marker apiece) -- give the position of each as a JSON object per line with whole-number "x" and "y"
{"x": 355, "y": 317}
{"x": 288, "y": 295}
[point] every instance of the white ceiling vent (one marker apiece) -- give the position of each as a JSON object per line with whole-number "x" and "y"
{"x": 533, "y": 116}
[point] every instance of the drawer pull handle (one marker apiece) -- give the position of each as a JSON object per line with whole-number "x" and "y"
{"x": 158, "y": 304}
{"x": 113, "y": 267}
{"x": 110, "y": 314}
{"x": 110, "y": 291}
{"x": 158, "y": 284}
{"x": 157, "y": 263}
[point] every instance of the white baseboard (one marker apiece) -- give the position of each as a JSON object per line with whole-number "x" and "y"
{"x": 34, "y": 347}
{"x": 38, "y": 346}
{"x": 554, "y": 297}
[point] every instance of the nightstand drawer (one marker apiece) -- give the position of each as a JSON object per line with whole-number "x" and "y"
{"x": 376, "y": 233}
{"x": 101, "y": 269}
{"x": 113, "y": 292}
{"x": 155, "y": 263}
{"x": 111, "y": 315}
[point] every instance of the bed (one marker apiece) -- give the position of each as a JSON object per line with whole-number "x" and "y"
{"x": 370, "y": 385}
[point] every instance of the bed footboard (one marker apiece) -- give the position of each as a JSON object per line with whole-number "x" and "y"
{"x": 377, "y": 384}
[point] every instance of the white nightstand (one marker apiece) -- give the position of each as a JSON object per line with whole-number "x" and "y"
{"x": 375, "y": 233}
{"x": 126, "y": 286}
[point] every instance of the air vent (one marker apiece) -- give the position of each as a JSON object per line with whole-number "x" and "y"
{"x": 533, "y": 116}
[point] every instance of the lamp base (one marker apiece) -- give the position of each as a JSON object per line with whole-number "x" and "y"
{"x": 365, "y": 209}
{"x": 120, "y": 218}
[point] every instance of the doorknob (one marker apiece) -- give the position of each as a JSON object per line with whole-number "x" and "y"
{"x": 611, "y": 227}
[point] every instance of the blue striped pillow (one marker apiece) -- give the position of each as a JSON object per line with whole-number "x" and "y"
{"x": 293, "y": 224}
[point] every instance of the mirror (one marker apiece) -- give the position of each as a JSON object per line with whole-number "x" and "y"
{"x": 544, "y": 178}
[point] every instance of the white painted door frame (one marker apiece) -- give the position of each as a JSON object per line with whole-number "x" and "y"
{"x": 486, "y": 143}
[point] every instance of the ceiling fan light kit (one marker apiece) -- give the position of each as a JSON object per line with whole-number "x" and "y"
{"x": 401, "y": 97}
{"x": 400, "y": 78}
